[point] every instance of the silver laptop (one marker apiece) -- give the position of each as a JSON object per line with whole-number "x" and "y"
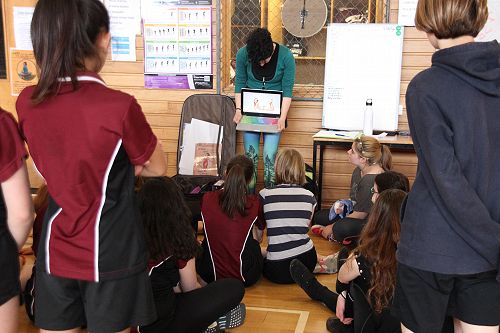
{"x": 261, "y": 110}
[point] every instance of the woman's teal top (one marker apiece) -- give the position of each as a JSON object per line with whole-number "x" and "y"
{"x": 284, "y": 77}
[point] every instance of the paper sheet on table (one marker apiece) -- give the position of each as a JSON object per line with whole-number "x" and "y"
{"x": 381, "y": 135}
{"x": 198, "y": 131}
{"x": 328, "y": 134}
{"x": 337, "y": 134}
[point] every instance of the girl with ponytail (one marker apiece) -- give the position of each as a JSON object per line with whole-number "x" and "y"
{"x": 88, "y": 141}
{"x": 370, "y": 158}
{"x": 229, "y": 216}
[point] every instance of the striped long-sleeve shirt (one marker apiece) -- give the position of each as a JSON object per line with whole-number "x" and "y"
{"x": 287, "y": 210}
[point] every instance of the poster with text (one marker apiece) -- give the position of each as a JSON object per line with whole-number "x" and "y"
{"x": 125, "y": 24}
{"x": 406, "y": 12}
{"x": 22, "y": 27}
{"x": 22, "y": 70}
{"x": 181, "y": 43}
{"x": 177, "y": 46}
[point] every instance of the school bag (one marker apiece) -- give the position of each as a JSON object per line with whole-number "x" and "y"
{"x": 207, "y": 141}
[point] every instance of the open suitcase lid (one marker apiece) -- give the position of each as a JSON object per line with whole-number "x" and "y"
{"x": 207, "y": 135}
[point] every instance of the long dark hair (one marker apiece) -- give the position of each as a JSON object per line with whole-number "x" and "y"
{"x": 64, "y": 33}
{"x": 233, "y": 198}
{"x": 378, "y": 243}
{"x": 166, "y": 219}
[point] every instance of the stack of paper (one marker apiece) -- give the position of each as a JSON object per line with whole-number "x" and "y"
{"x": 195, "y": 133}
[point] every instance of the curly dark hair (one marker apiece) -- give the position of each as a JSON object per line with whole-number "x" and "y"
{"x": 259, "y": 45}
{"x": 166, "y": 220}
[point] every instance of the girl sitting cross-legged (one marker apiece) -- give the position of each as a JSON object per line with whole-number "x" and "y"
{"x": 370, "y": 159}
{"x": 288, "y": 209}
{"x": 229, "y": 215}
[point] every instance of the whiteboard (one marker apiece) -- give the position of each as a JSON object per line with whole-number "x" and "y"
{"x": 491, "y": 29}
{"x": 362, "y": 61}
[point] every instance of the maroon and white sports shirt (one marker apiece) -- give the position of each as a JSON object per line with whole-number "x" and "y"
{"x": 226, "y": 237}
{"x": 12, "y": 155}
{"x": 85, "y": 143}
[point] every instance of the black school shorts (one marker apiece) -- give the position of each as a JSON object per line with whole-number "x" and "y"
{"x": 9, "y": 267}
{"x": 423, "y": 299}
{"x": 107, "y": 306}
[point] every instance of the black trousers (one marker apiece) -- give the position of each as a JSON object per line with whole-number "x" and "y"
{"x": 345, "y": 231}
{"x": 278, "y": 271}
{"x": 194, "y": 311}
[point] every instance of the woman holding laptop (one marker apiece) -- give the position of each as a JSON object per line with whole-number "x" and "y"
{"x": 264, "y": 64}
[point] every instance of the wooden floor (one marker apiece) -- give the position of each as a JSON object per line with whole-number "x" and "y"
{"x": 271, "y": 308}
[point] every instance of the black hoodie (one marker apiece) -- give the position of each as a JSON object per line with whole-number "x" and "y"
{"x": 451, "y": 223}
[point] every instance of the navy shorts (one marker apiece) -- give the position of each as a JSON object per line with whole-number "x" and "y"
{"x": 423, "y": 299}
{"x": 107, "y": 306}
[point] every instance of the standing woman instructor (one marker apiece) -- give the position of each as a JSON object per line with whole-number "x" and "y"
{"x": 264, "y": 64}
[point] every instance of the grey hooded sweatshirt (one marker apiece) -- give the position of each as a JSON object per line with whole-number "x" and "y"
{"x": 451, "y": 223}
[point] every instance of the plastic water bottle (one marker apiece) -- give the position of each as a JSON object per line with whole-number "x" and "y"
{"x": 368, "y": 123}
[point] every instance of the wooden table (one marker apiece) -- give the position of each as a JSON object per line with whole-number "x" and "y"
{"x": 394, "y": 142}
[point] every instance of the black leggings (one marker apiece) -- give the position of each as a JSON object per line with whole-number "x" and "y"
{"x": 345, "y": 231}
{"x": 278, "y": 271}
{"x": 197, "y": 309}
{"x": 251, "y": 258}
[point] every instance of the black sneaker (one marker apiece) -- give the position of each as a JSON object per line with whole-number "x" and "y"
{"x": 334, "y": 325}
{"x": 233, "y": 318}
{"x": 305, "y": 279}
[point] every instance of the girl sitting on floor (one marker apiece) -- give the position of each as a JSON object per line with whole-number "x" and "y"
{"x": 181, "y": 304}
{"x": 288, "y": 209}
{"x": 372, "y": 267}
{"x": 370, "y": 158}
{"x": 229, "y": 247}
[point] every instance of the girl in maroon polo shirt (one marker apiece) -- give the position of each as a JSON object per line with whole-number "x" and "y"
{"x": 229, "y": 215}
{"x": 88, "y": 142}
{"x": 16, "y": 216}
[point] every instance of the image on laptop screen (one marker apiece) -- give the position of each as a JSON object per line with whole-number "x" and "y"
{"x": 261, "y": 103}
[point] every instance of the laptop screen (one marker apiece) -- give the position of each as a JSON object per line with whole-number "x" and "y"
{"x": 261, "y": 103}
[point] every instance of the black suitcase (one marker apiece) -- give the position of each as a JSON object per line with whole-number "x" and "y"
{"x": 205, "y": 120}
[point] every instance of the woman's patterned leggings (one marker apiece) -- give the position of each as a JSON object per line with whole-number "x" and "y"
{"x": 251, "y": 141}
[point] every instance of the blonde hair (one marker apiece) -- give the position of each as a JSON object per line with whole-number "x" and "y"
{"x": 451, "y": 18}
{"x": 374, "y": 152}
{"x": 290, "y": 167}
